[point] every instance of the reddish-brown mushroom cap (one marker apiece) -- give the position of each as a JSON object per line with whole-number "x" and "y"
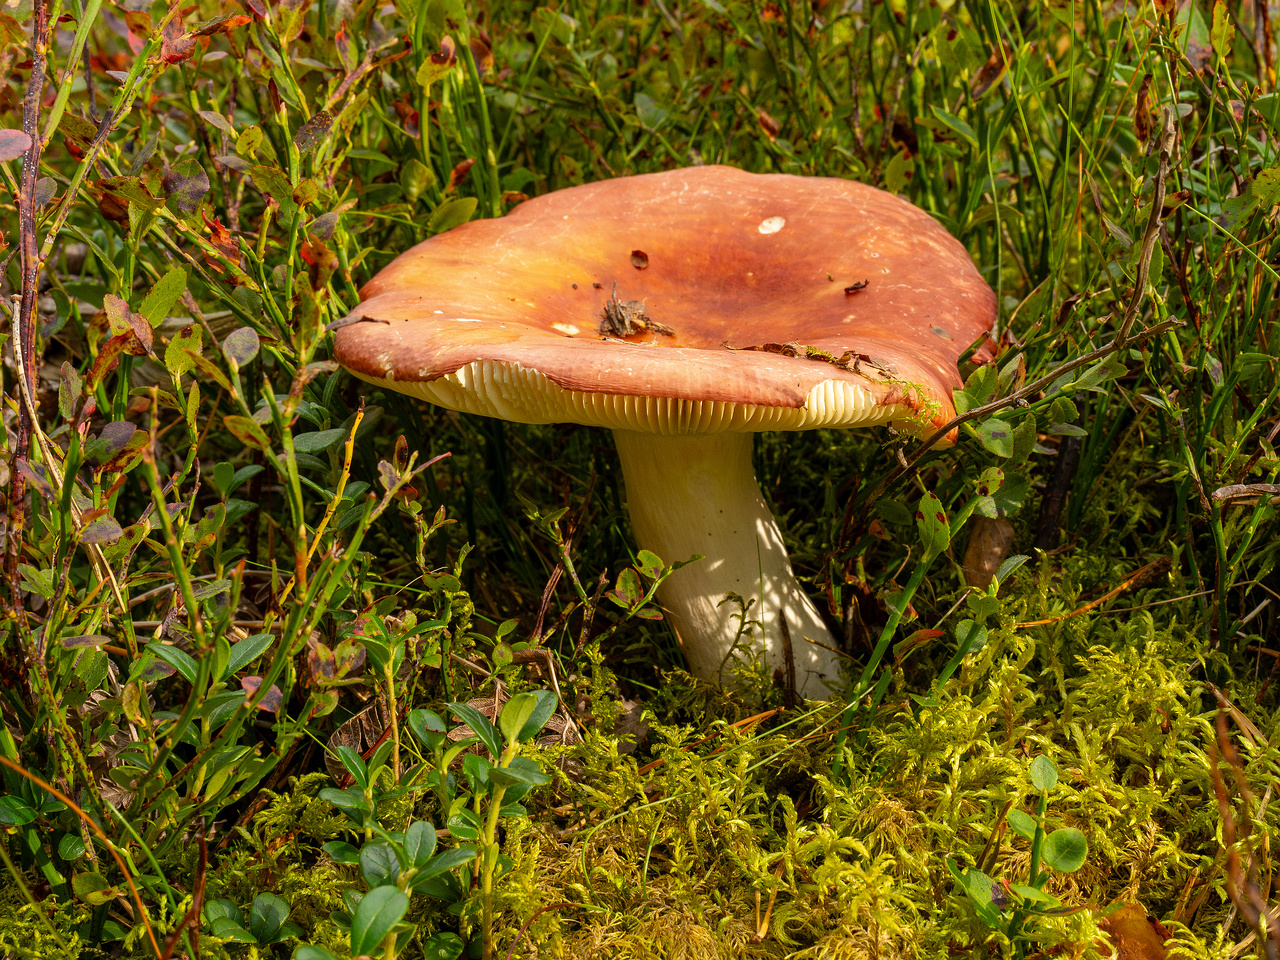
{"x": 784, "y": 303}
{"x": 743, "y": 268}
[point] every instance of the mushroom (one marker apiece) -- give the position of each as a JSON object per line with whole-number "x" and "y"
{"x": 685, "y": 311}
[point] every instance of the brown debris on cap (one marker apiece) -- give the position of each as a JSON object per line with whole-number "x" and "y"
{"x": 733, "y": 262}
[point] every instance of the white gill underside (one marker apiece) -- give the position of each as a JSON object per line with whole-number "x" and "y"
{"x": 521, "y": 395}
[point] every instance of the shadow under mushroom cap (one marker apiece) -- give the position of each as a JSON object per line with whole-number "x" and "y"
{"x": 759, "y": 279}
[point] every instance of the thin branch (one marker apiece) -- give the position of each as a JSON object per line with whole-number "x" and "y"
{"x": 24, "y": 341}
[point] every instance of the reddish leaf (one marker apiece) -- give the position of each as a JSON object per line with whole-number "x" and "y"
{"x": 990, "y": 72}
{"x": 770, "y": 126}
{"x": 114, "y": 208}
{"x": 458, "y": 174}
{"x": 13, "y": 144}
{"x": 176, "y": 46}
{"x": 271, "y": 702}
{"x": 185, "y": 186}
{"x": 222, "y": 239}
{"x": 480, "y": 50}
{"x": 138, "y": 22}
{"x": 223, "y": 24}
{"x": 124, "y": 322}
{"x": 342, "y": 43}
{"x": 1142, "y": 111}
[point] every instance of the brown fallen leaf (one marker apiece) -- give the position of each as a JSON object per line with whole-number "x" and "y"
{"x": 1134, "y": 935}
{"x": 989, "y": 543}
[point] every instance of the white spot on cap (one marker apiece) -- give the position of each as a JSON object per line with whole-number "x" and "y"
{"x": 771, "y": 225}
{"x": 568, "y": 329}
{"x": 469, "y": 320}
{"x": 437, "y": 311}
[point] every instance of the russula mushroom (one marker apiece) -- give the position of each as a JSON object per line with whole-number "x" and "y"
{"x": 685, "y": 311}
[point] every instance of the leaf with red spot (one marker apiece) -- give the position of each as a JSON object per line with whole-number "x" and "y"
{"x": 935, "y": 530}
{"x": 123, "y": 321}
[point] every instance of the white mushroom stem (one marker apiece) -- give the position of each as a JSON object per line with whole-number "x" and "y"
{"x": 698, "y": 495}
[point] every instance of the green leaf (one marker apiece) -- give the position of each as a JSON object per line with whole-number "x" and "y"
{"x": 225, "y": 929}
{"x": 272, "y": 182}
{"x": 1065, "y": 850}
{"x": 515, "y": 713}
{"x": 997, "y": 436}
{"x": 1024, "y": 439}
{"x": 451, "y": 213}
{"x": 180, "y": 661}
{"x": 185, "y": 186}
{"x": 441, "y": 862}
{"x": 379, "y": 911}
{"x": 15, "y": 812}
{"x": 267, "y": 916}
{"x": 628, "y": 591}
{"x": 71, "y": 847}
{"x": 354, "y": 764}
{"x": 342, "y": 852}
{"x": 214, "y": 909}
{"x": 1022, "y": 823}
{"x": 309, "y": 952}
{"x": 428, "y": 728}
{"x": 163, "y": 295}
{"x": 177, "y": 359}
{"x": 479, "y": 725}
{"x": 319, "y": 440}
{"x": 247, "y": 432}
{"x": 1033, "y": 894}
{"x": 379, "y": 864}
{"x": 956, "y": 125}
{"x": 1261, "y": 193}
{"x": 651, "y": 115}
{"x": 547, "y": 703}
{"x": 1044, "y": 775}
{"x": 419, "y": 842}
{"x": 977, "y": 886}
{"x": 240, "y": 347}
{"x": 519, "y": 770}
{"x": 1222, "y": 32}
{"x": 442, "y": 946}
{"x": 246, "y": 651}
{"x": 649, "y": 564}
{"x": 349, "y": 801}
{"x": 935, "y": 530}
{"x": 93, "y": 888}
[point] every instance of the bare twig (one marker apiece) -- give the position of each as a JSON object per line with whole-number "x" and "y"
{"x": 24, "y": 341}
